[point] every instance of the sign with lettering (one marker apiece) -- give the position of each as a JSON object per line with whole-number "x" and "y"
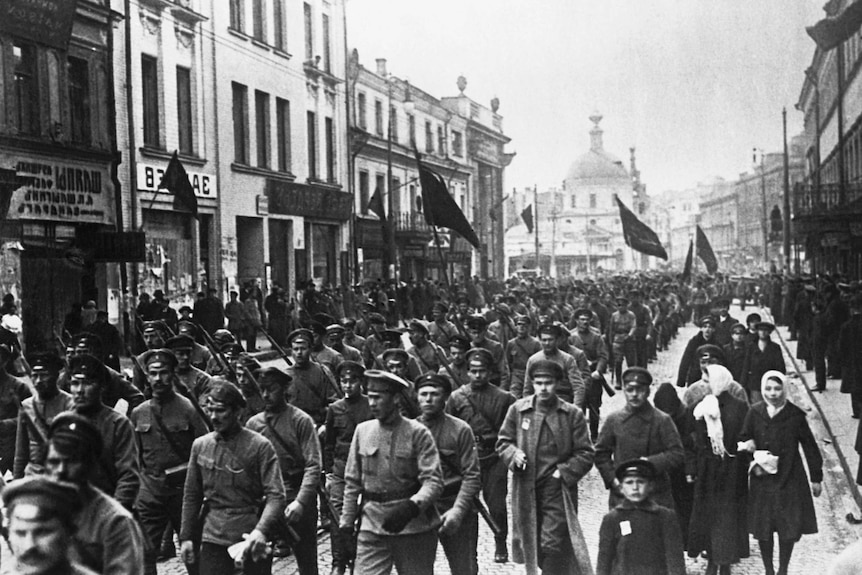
{"x": 291, "y": 199}
{"x": 44, "y": 21}
{"x": 61, "y": 190}
{"x": 109, "y": 246}
{"x": 150, "y": 175}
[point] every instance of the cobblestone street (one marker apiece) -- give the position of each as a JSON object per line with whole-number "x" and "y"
{"x": 812, "y": 554}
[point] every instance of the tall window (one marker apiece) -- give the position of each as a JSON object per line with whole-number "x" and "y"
{"x": 237, "y": 20}
{"x": 364, "y": 198}
{"x": 261, "y": 127}
{"x": 457, "y": 143}
{"x": 150, "y": 90}
{"x": 361, "y": 111}
{"x": 184, "y": 110}
{"x": 258, "y": 20}
{"x": 380, "y": 187}
{"x": 26, "y": 95}
{"x": 441, "y": 141}
{"x": 327, "y": 54}
{"x": 311, "y": 127}
{"x": 592, "y": 199}
{"x": 330, "y": 150}
{"x": 429, "y": 139}
{"x": 378, "y": 117}
{"x": 79, "y": 100}
{"x": 282, "y": 120}
{"x": 278, "y": 25}
{"x": 411, "y": 124}
{"x": 393, "y": 124}
{"x": 309, "y": 32}
{"x": 240, "y": 123}
{"x": 395, "y": 190}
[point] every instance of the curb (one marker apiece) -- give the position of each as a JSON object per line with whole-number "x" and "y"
{"x": 851, "y": 480}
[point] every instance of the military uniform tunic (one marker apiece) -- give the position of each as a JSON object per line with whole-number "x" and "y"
{"x": 311, "y": 390}
{"x": 31, "y": 439}
{"x": 518, "y": 352}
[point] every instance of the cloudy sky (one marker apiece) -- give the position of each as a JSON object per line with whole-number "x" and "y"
{"x": 693, "y": 84}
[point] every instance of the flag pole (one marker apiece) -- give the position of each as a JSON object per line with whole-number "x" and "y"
{"x": 536, "y": 223}
{"x": 441, "y": 256}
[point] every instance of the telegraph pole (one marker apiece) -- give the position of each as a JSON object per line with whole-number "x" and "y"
{"x": 786, "y": 214}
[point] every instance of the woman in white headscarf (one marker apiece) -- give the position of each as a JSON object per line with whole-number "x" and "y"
{"x": 780, "y": 498}
{"x": 719, "y": 473}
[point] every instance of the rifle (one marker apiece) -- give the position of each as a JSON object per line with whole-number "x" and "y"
{"x": 452, "y": 488}
{"x": 329, "y": 508}
{"x": 60, "y": 341}
{"x": 357, "y": 525}
{"x": 448, "y": 368}
{"x": 210, "y": 343}
{"x": 289, "y": 361}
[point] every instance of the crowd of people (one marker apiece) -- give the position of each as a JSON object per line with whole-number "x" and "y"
{"x": 400, "y": 439}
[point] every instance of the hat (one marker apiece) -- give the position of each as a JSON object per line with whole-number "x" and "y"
{"x": 232, "y": 347}
{"x": 477, "y": 321}
{"x": 480, "y": 355}
{"x": 188, "y": 326}
{"x": 44, "y": 360}
{"x": 460, "y": 342}
{"x": 350, "y": 366}
{"x": 391, "y": 336}
{"x": 417, "y": 325}
{"x": 710, "y": 351}
{"x": 721, "y": 302}
{"x": 273, "y": 375}
{"x": 376, "y": 318}
{"x": 395, "y": 354}
{"x": 503, "y": 309}
{"x": 223, "y": 391}
{"x": 53, "y": 498}
{"x": 433, "y": 379}
{"x": 73, "y": 433}
{"x": 159, "y": 356}
{"x": 222, "y": 336}
{"x": 581, "y": 312}
{"x": 639, "y": 375}
{"x": 440, "y": 306}
{"x": 523, "y": 320}
{"x": 810, "y": 288}
{"x": 738, "y": 327}
{"x": 87, "y": 366}
{"x": 707, "y": 320}
{"x": 396, "y": 384}
{"x": 546, "y": 367}
{"x": 335, "y": 328}
{"x": 764, "y": 325}
{"x": 752, "y": 318}
{"x": 636, "y": 468}
{"x": 181, "y": 341}
{"x": 316, "y": 327}
{"x": 86, "y": 339}
{"x": 246, "y": 361}
{"x": 622, "y": 300}
{"x": 155, "y": 325}
{"x": 301, "y": 335}
{"x": 550, "y": 328}
{"x": 185, "y": 308}
{"x": 323, "y": 318}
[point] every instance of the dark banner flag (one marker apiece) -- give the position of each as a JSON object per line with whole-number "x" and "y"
{"x": 639, "y": 236}
{"x": 831, "y": 31}
{"x": 686, "y": 270}
{"x": 440, "y": 207}
{"x": 375, "y": 204}
{"x": 176, "y": 181}
{"x": 705, "y": 253}
{"x": 527, "y": 216}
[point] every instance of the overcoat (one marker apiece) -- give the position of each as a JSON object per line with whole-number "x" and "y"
{"x": 782, "y": 502}
{"x": 759, "y": 362}
{"x": 850, "y": 351}
{"x": 521, "y": 431}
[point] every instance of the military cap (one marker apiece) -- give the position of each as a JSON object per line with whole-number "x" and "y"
{"x": 459, "y": 341}
{"x": 636, "y": 468}
{"x": 316, "y": 327}
{"x": 185, "y": 308}
{"x": 440, "y": 306}
{"x": 376, "y": 318}
{"x": 480, "y": 355}
{"x": 348, "y": 323}
{"x": 391, "y": 336}
{"x": 52, "y": 498}
{"x": 154, "y": 325}
{"x": 810, "y": 288}
{"x": 323, "y": 319}
{"x": 248, "y": 362}
{"x": 462, "y": 298}
{"x": 223, "y": 391}
{"x": 222, "y": 336}
{"x": 86, "y": 339}
{"x": 161, "y": 355}
{"x": 187, "y": 326}
{"x": 350, "y": 366}
{"x": 549, "y": 328}
{"x": 87, "y": 366}
{"x": 43, "y": 360}
{"x": 583, "y": 311}
{"x": 503, "y": 309}
{"x": 419, "y": 326}
{"x": 622, "y": 300}
{"x": 635, "y": 293}
{"x": 433, "y": 379}
{"x": 593, "y": 292}
{"x": 738, "y": 328}
{"x": 396, "y": 384}
{"x": 710, "y": 351}
{"x": 523, "y": 319}
{"x": 546, "y": 367}
{"x": 302, "y": 335}
{"x": 232, "y": 347}
{"x": 71, "y": 432}
{"x": 272, "y": 375}
{"x": 395, "y": 354}
{"x": 765, "y": 325}
{"x": 334, "y": 328}
{"x": 707, "y": 320}
{"x": 365, "y": 306}
{"x": 477, "y": 321}
{"x": 721, "y": 302}
{"x": 639, "y": 375}
{"x": 181, "y": 341}
{"x": 752, "y": 318}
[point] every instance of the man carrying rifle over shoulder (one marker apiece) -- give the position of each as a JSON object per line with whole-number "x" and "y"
{"x": 459, "y": 533}
{"x": 312, "y": 387}
{"x": 195, "y": 380}
{"x": 589, "y": 340}
{"x": 294, "y": 437}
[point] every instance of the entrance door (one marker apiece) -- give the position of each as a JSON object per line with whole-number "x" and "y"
{"x": 49, "y": 288}
{"x": 279, "y": 247}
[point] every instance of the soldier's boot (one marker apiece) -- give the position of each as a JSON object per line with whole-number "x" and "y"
{"x": 501, "y": 553}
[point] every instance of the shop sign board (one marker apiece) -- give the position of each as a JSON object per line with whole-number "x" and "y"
{"x": 291, "y": 199}
{"x": 149, "y": 176}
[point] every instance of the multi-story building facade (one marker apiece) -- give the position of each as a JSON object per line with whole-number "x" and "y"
{"x": 58, "y": 154}
{"x": 719, "y": 220}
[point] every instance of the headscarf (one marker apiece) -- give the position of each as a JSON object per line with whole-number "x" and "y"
{"x": 773, "y": 407}
{"x": 720, "y": 379}
{"x": 708, "y": 409}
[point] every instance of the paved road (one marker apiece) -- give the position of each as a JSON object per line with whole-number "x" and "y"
{"x": 812, "y": 554}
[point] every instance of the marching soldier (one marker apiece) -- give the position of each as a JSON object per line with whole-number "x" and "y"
{"x": 394, "y": 466}
{"x": 459, "y": 533}
{"x": 320, "y": 352}
{"x": 424, "y": 352}
{"x": 441, "y": 330}
{"x": 335, "y": 338}
{"x": 477, "y": 330}
{"x": 519, "y": 349}
{"x": 589, "y": 340}
{"x": 571, "y": 389}
{"x": 374, "y": 342}
{"x": 292, "y": 433}
{"x": 458, "y": 348}
{"x": 233, "y": 491}
{"x": 195, "y": 380}
{"x": 351, "y": 338}
{"x": 483, "y": 406}
{"x": 165, "y": 427}
{"x": 311, "y": 388}
{"x": 200, "y": 354}
{"x": 117, "y": 386}
{"x": 154, "y": 333}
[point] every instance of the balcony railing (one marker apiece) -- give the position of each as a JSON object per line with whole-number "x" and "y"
{"x": 411, "y": 222}
{"x": 809, "y": 200}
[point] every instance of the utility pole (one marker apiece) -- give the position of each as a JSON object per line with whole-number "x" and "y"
{"x": 786, "y": 214}
{"x": 764, "y": 216}
{"x": 390, "y": 199}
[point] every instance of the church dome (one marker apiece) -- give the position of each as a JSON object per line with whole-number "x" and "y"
{"x": 597, "y": 164}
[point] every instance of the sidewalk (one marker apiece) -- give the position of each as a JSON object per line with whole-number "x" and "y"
{"x": 834, "y": 410}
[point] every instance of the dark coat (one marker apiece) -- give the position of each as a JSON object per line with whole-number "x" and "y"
{"x": 735, "y": 359}
{"x": 850, "y": 351}
{"x": 652, "y": 546}
{"x": 782, "y": 502}
{"x": 689, "y": 366}
{"x": 802, "y": 317}
{"x": 759, "y": 362}
{"x": 718, "y": 519}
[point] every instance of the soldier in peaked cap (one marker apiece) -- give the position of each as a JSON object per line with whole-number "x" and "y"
{"x": 483, "y": 406}
{"x": 108, "y": 538}
{"x": 13, "y": 390}
{"x": 195, "y": 380}
{"x": 342, "y": 417}
{"x": 762, "y": 356}
{"x": 350, "y": 337}
{"x": 458, "y": 348}
{"x": 200, "y": 354}
{"x": 735, "y": 351}
{"x": 589, "y": 340}
{"x": 37, "y": 413}
{"x": 320, "y": 352}
{"x": 335, "y": 340}
{"x": 165, "y": 427}
{"x": 292, "y": 433}
{"x": 223, "y": 511}
{"x": 399, "y": 522}
{"x": 571, "y": 389}
{"x": 621, "y": 332}
{"x": 689, "y": 369}
{"x": 374, "y": 341}
{"x": 518, "y": 351}
{"x": 154, "y": 333}
{"x": 477, "y": 330}
{"x": 312, "y": 388}
{"x": 424, "y": 352}
{"x": 441, "y": 330}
